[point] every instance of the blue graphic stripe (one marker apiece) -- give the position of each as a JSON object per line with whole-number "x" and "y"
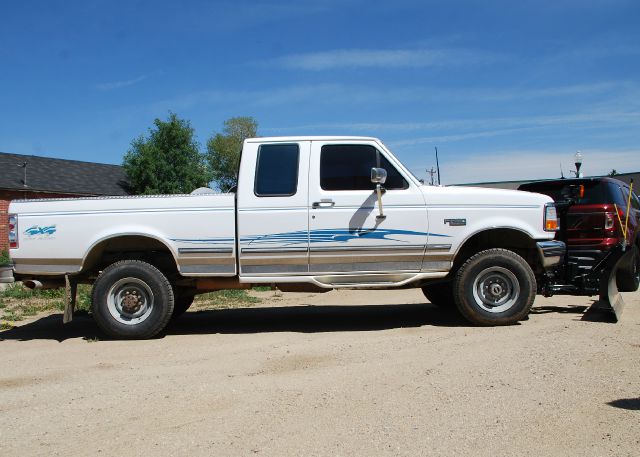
{"x": 316, "y": 236}
{"x": 333, "y": 235}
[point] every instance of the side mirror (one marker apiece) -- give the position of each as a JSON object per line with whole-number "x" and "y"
{"x": 378, "y": 175}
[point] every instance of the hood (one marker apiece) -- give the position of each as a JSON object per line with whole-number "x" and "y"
{"x": 482, "y": 196}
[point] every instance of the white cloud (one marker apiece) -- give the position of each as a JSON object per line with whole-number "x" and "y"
{"x": 383, "y": 58}
{"x": 461, "y": 129}
{"x": 120, "y": 84}
{"x": 328, "y": 94}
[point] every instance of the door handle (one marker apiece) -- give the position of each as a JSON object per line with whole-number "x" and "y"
{"x": 323, "y": 204}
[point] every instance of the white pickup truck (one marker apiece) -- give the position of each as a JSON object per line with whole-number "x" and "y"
{"x": 309, "y": 213}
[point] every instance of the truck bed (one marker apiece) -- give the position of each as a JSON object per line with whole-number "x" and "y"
{"x": 199, "y": 230}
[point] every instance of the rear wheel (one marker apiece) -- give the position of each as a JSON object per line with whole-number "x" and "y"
{"x": 132, "y": 299}
{"x": 628, "y": 279}
{"x": 494, "y": 287}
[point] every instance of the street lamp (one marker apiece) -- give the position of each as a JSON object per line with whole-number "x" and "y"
{"x": 578, "y": 164}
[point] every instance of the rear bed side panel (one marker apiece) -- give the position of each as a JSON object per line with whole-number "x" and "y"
{"x": 56, "y": 236}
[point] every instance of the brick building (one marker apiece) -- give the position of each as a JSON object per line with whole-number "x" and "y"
{"x": 24, "y": 176}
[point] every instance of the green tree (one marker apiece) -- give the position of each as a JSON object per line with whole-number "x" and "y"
{"x": 167, "y": 161}
{"x": 612, "y": 172}
{"x": 223, "y": 150}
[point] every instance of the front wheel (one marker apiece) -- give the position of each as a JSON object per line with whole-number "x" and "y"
{"x": 494, "y": 287}
{"x": 132, "y": 299}
{"x": 439, "y": 294}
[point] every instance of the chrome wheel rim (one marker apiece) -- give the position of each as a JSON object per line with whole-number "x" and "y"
{"x": 130, "y": 301}
{"x": 496, "y": 289}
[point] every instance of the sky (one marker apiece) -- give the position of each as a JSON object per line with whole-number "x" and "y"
{"x": 506, "y": 90}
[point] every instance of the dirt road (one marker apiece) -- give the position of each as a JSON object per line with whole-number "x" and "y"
{"x": 347, "y": 373}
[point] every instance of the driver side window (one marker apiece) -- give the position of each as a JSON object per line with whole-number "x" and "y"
{"x": 348, "y": 167}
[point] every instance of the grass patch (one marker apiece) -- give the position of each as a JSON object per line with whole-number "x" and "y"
{"x": 5, "y": 326}
{"x": 262, "y": 288}
{"x": 18, "y": 302}
{"x": 18, "y": 291}
{"x": 4, "y": 257}
{"x": 224, "y": 299}
{"x": 11, "y": 316}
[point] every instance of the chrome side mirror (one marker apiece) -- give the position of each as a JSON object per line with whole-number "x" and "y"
{"x": 378, "y": 175}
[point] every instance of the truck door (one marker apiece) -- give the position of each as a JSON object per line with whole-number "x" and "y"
{"x": 273, "y": 216}
{"x": 346, "y": 234}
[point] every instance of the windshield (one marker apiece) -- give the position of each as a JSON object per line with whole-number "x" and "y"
{"x": 421, "y": 181}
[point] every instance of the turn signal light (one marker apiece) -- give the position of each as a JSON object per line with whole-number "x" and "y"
{"x": 551, "y": 222}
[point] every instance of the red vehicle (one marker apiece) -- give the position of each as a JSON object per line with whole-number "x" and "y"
{"x": 593, "y": 217}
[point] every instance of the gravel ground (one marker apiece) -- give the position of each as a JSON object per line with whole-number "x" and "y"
{"x": 343, "y": 373}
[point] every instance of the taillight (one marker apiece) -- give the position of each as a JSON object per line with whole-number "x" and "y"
{"x": 551, "y": 222}
{"x": 609, "y": 221}
{"x": 13, "y": 231}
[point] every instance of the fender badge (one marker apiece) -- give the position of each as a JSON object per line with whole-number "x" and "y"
{"x": 455, "y": 222}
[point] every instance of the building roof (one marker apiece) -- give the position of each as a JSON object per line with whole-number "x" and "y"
{"x": 625, "y": 177}
{"x": 44, "y": 174}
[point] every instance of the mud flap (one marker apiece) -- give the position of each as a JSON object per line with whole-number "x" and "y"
{"x": 610, "y": 298}
{"x": 70, "y": 292}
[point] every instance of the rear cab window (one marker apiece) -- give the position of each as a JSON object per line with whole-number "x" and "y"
{"x": 277, "y": 170}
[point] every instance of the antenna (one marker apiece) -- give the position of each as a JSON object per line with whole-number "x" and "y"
{"x": 561, "y": 172}
{"x": 24, "y": 166}
{"x": 437, "y": 165}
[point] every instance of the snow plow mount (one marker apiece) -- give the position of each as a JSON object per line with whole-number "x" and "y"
{"x": 601, "y": 281}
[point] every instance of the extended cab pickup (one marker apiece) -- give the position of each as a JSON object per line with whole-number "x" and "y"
{"x": 310, "y": 213}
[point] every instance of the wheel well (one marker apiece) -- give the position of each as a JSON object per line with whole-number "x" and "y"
{"x": 135, "y": 247}
{"x": 504, "y": 238}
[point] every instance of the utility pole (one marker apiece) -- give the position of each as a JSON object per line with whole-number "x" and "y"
{"x": 432, "y": 172}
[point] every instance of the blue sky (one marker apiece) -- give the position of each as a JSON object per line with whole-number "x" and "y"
{"x": 505, "y": 89}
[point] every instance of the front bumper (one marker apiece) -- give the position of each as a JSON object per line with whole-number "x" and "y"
{"x": 6, "y": 274}
{"x": 551, "y": 252}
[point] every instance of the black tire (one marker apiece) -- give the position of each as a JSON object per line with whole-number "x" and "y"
{"x": 142, "y": 316}
{"x": 494, "y": 287}
{"x": 440, "y": 294}
{"x": 182, "y": 302}
{"x": 628, "y": 279}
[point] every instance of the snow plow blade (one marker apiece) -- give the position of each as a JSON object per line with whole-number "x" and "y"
{"x": 610, "y": 300}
